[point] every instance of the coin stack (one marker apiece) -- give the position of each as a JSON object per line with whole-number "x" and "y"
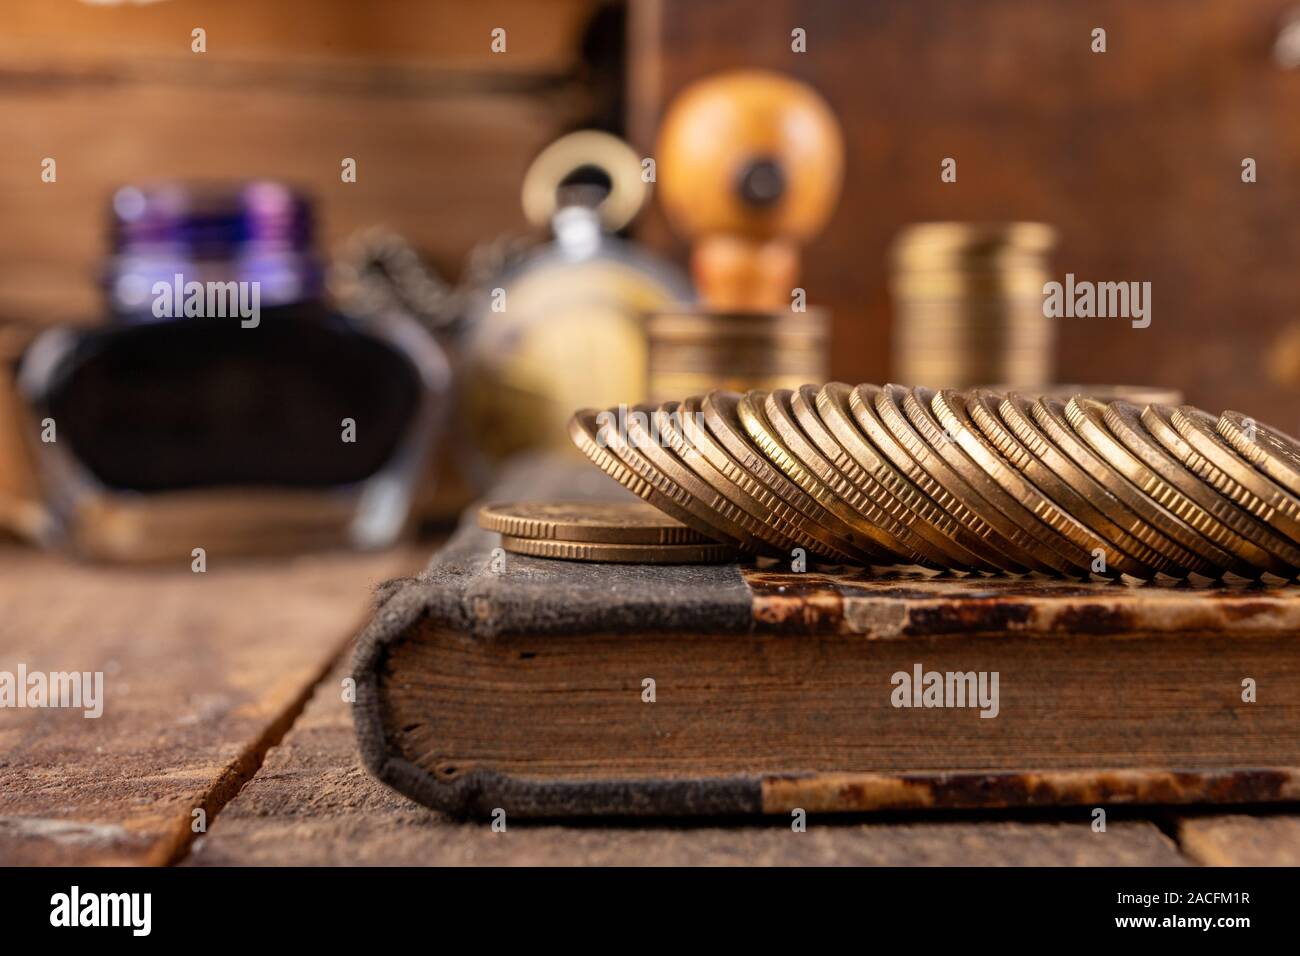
{"x": 632, "y": 532}
{"x": 962, "y": 481}
{"x": 968, "y": 302}
{"x": 695, "y": 349}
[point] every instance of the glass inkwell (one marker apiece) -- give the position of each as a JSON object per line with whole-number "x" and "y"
{"x": 225, "y": 404}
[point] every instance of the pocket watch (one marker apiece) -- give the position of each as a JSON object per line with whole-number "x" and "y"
{"x": 563, "y": 328}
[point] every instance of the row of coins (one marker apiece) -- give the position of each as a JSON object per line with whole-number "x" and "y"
{"x": 969, "y": 481}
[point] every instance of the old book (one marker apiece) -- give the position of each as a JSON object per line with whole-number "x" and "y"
{"x": 550, "y": 688}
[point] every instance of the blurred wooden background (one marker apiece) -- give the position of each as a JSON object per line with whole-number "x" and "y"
{"x": 442, "y": 129}
{"x": 1135, "y": 154}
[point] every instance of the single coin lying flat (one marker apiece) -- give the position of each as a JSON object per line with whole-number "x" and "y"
{"x": 594, "y": 522}
{"x": 620, "y": 553}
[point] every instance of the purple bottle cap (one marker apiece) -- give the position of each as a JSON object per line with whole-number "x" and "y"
{"x": 260, "y": 231}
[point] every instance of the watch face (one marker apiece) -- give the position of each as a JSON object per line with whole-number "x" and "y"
{"x": 568, "y": 335}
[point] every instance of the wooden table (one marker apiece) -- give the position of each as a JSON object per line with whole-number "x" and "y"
{"x": 225, "y": 707}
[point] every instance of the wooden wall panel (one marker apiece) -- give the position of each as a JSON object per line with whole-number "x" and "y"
{"x": 441, "y": 128}
{"x": 1135, "y": 154}
{"x": 452, "y": 33}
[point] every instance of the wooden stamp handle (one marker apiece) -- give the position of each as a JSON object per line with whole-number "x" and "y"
{"x": 750, "y": 166}
{"x": 735, "y": 273}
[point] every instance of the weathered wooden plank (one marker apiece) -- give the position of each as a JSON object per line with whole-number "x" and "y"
{"x": 313, "y": 803}
{"x": 201, "y": 674}
{"x": 1239, "y": 839}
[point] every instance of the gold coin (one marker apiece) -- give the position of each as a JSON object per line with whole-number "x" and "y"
{"x": 794, "y": 453}
{"x": 824, "y": 541}
{"x": 990, "y": 544}
{"x": 1213, "y": 459}
{"x": 748, "y": 330}
{"x": 1127, "y": 553}
{"x": 725, "y": 362}
{"x": 1264, "y": 549}
{"x": 1010, "y": 261}
{"x": 773, "y": 525}
{"x": 999, "y": 354}
{"x": 802, "y": 403}
{"x": 971, "y": 240}
{"x": 989, "y": 312}
{"x": 753, "y": 415}
{"x": 871, "y": 500}
{"x": 1273, "y": 452}
{"x": 992, "y": 525}
{"x": 705, "y": 501}
{"x": 927, "y": 518}
{"x": 949, "y": 408}
{"x": 722, "y": 421}
{"x": 1211, "y": 560}
{"x": 993, "y": 359}
{"x": 597, "y": 522}
{"x": 1086, "y": 418}
{"x": 668, "y": 388}
{"x": 956, "y": 286}
{"x": 596, "y": 434}
{"x": 975, "y": 373}
{"x": 620, "y": 553}
{"x": 1137, "y": 394}
{"x": 935, "y": 339}
{"x": 1015, "y": 522}
{"x": 1112, "y": 493}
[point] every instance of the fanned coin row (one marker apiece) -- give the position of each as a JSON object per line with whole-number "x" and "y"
{"x": 975, "y": 481}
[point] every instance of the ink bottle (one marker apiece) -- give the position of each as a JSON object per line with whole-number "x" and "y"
{"x": 224, "y": 403}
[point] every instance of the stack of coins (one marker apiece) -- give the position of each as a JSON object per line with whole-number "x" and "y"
{"x": 622, "y": 532}
{"x": 974, "y": 481}
{"x": 968, "y": 304}
{"x": 692, "y": 350}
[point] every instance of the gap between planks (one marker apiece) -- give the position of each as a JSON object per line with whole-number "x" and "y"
{"x": 245, "y": 767}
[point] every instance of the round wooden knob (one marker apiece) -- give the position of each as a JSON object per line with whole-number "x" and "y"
{"x": 750, "y": 152}
{"x": 754, "y": 156}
